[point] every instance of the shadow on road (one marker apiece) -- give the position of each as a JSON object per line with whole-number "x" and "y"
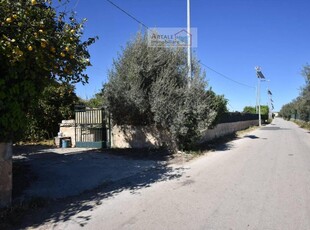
{"x": 72, "y": 183}
{"x": 254, "y": 137}
{"x": 251, "y": 136}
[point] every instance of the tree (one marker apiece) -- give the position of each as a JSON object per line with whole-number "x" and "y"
{"x": 300, "y": 106}
{"x": 249, "y": 109}
{"x": 287, "y": 111}
{"x": 56, "y": 103}
{"x": 149, "y": 86}
{"x": 36, "y": 45}
{"x": 304, "y": 98}
{"x": 263, "y": 108}
{"x": 97, "y": 101}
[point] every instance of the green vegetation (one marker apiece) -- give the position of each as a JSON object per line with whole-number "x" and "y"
{"x": 55, "y": 103}
{"x": 97, "y": 101}
{"x": 250, "y": 109}
{"x": 299, "y": 108}
{"x": 149, "y": 86}
{"x": 37, "y": 45}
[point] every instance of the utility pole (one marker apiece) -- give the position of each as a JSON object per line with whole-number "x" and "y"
{"x": 260, "y": 76}
{"x": 256, "y": 105}
{"x": 189, "y": 53}
{"x": 259, "y": 111}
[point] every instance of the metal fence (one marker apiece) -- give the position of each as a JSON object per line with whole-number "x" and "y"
{"x": 92, "y": 128}
{"x": 235, "y": 117}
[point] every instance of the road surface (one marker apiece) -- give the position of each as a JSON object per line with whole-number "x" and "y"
{"x": 260, "y": 181}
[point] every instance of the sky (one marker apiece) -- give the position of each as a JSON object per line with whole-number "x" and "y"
{"x": 233, "y": 36}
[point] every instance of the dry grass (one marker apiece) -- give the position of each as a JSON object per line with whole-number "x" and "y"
{"x": 43, "y": 142}
{"x": 303, "y": 124}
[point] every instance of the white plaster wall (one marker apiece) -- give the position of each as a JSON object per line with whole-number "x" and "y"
{"x": 138, "y": 137}
{"x": 225, "y": 129}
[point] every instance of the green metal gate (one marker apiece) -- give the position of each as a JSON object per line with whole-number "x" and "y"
{"x": 92, "y": 129}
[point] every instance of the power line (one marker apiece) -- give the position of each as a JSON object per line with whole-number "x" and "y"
{"x": 130, "y": 15}
{"x": 226, "y": 77}
{"x": 76, "y": 4}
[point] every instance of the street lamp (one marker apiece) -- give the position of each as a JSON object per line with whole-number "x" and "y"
{"x": 270, "y": 104}
{"x": 260, "y": 76}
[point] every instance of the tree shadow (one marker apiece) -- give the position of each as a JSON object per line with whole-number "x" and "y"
{"x": 80, "y": 181}
{"x": 222, "y": 143}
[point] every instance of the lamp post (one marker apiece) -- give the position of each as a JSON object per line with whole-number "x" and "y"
{"x": 260, "y": 76}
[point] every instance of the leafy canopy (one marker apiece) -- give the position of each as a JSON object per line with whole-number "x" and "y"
{"x": 250, "y": 109}
{"x": 56, "y": 103}
{"x": 36, "y": 44}
{"x": 299, "y": 108}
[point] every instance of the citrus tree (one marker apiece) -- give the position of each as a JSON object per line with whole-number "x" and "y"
{"x": 37, "y": 44}
{"x": 55, "y": 103}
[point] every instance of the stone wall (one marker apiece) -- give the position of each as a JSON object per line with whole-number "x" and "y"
{"x": 150, "y": 137}
{"x": 5, "y": 174}
{"x": 226, "y": 129}
{"x": 138, "y": 137}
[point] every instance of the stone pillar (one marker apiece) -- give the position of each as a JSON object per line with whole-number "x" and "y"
{"x": 5, "y": 174}
{"x": 67, "y": 128}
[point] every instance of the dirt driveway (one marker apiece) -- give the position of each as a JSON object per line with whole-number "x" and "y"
{"x": 58, "y": 173}
{"x": 74, "y": 179}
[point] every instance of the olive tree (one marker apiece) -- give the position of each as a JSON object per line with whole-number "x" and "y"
{"x": 300, "y": 106}
{"x": 149, "y": 86}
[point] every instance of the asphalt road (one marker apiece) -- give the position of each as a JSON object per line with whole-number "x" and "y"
{"x": 260, "y": 181}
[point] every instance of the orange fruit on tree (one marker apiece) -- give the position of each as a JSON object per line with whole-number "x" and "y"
{"x": 8, "y": 20}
